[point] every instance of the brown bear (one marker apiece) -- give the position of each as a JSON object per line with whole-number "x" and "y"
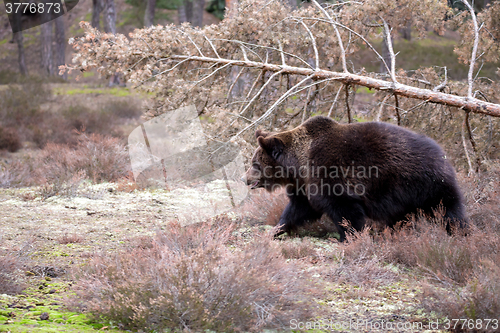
{"x": 355, "y": 171}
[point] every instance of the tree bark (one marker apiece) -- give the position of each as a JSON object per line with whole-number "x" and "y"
{"x": 149, "y": 15}
{"x": 110, "y": 17}
{"x": 96, "y": 12}
{"x": 198, "y": 10}
{"x": 60, "y": 51}
{"x": 46, "y": 36}
{"x": 18, "y": 39}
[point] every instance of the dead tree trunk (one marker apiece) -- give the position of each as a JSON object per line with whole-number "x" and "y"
{"x": 96, "y": 12}
{"x": 46, "y": 36}
{"x": 18, "y": 39}
{"x": 60, "y": 49}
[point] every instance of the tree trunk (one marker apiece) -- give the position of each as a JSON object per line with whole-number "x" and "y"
{"x": 198, "y": 9}
{"x": 46, "y": 36}
{"x": 181, "y": 13}
{"x": 110, "y": 17}
{"x": 406, "y": 31}
{"x": 18, "y": 39}
{"x": 96, "y": 12}
{"x": 60, "y": 51}
{"x": 149, "y": 15}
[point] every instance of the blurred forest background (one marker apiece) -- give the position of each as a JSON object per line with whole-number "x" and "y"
{"x": 84, "y": 247}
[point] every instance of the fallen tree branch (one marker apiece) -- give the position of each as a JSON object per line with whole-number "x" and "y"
{"x": 467, "y": 103}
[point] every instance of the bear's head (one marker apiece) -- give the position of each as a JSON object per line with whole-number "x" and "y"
{"x": 270, "y": 161}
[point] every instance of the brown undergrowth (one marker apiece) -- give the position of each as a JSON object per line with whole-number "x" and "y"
{"x": 195, "y": 278}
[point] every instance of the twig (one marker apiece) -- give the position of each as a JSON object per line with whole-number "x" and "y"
{"x": 465, "y": 149}
{"x": 443, "y": 84}
{"x": 257, "y": 79}
{"x": 283, "y": 62}
{"x": 334, "y": 101}
{"x": 472, "y": 141}
{"x": 233, "y": 84}
{"x": 396, "y": 100}
{"x": 348, "y": 108}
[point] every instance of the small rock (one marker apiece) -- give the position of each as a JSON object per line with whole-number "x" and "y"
{"x": 44, "y": 316}
{"x": 52, "y": 291}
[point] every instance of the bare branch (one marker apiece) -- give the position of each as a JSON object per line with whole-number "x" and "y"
{"x": 470, "y": 78}
{"x": 396, "y": 102}
{"x": 261, "y": 74}
{"x": 234, "y": 82}
{"x": 260, "y": 91}
{"x": 313, "y": 40}
{"x": 348, "y": 108}
{"x": 270, "y": 110}
{"x": 471, "y": 104}
{"x": 381, "y": 109}
{"x": 211, "y": 45}
{"x": 283, "y": 62}
{"x": 337, "y": 32}
{"x": 443, "y": 84}
{"x": 387, "y": 33}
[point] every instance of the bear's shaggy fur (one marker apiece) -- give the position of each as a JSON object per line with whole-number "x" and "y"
{"x": 355, "y": 171}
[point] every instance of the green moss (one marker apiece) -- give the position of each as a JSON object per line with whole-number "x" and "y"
{"x": 115, "y": 91}
{"x": 365, "y": 90}
{"x": 4, "y": 41}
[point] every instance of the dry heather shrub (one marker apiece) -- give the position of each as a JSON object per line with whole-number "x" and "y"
{"x": 361, "y": 262}
{"x": 264, "y": 207}
{"x": 9, "y": 139}
{"x": 190, "y": 279}
{"x": 297, "y": 248}
{"x": 70, "y": 238}
{"x": 61, "y": 168}
{"x": 9, "y": 283}
{"x": 14, "y": 173}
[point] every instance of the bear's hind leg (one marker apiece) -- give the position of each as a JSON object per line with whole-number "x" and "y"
{"x": 352, "y": 212}
{"x": 296, "y": 213}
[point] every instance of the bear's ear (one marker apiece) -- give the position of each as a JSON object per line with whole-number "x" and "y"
{"x": 261, "y": 133}
{"x": 273, "y": 146}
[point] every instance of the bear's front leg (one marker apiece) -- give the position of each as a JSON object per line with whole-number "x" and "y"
{"x": 297, "y": 212}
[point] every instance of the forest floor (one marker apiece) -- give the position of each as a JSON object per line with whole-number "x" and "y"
{"x": 55, "y": 236}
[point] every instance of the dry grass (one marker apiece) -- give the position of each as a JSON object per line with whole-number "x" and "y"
{"x": 191, "y": 279}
